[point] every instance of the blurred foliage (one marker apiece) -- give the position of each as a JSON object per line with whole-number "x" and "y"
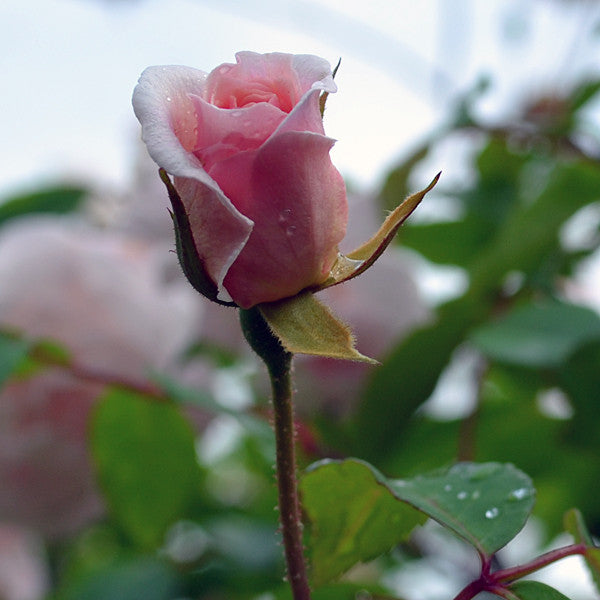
{"x": 58, "y": 199}
{"x": 184, "y": 521}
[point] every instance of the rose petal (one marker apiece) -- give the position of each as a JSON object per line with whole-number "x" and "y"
{"x": 299, "y": 199}
{"x": 306, "y": 116}
{"x": 255, "y": 78}
{"x": 222, "y": 132}
{"x": 314, "y": 72}
{"x": 163, "y": 105}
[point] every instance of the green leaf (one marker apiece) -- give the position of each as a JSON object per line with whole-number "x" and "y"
{"x": 54, "y": 200}
{"x": 357, "y": 514}
{"x": 486, "y": 504}
{"x": 396, "y": 186}
{"x": 339, "y": 591}
{"x": 575, "y": 525}
{"x": 13, "y": 351}
{"x": 580, "y": 379}
{"x": 147, "y": 578}
{"x": 354, "y": 518}
{"x": 538, "y": 334}
{"x": 305, "y": 326}
{"x": 146, "y": 463}
{"x": 529, "y": 233}
{"x": 449, "y": 243}
{"x": 534, "y": 590}
{"x": 407, "y": 378}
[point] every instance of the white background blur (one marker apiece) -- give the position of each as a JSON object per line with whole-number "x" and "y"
{"x": 69, "y": 66}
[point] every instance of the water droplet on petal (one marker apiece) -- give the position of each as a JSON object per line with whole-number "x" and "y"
{"x": 284, "y": 215}
{"x": 169, "y": 99}
{"x": 492, "y": 513}
{"x": 290, "y": 230}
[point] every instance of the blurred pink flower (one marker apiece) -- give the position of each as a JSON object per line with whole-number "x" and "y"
{"x": 23, "y": 571}
{"x": 104, "y": 299}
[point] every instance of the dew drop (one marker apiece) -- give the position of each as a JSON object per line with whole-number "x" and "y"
{"x": 519, "y": 494}
{"x": 447, "y": 488}
{"x": 492, "y": 513}
{"x": 290, "y": 230}
{"x": 475, "y": 495}
{"x": 462, "y": 495}
{"x": 284, "y": 215}
{"x": 344, "y": 267}
{"x": 169, "y": 99}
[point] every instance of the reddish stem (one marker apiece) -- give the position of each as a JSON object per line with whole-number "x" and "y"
{"x": 513, "y": 573}
{"x": 289, "y": 505}
{"x": 498, "y": 582}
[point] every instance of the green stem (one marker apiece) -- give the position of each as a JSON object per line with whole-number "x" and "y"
{"x": 279, "y": 363}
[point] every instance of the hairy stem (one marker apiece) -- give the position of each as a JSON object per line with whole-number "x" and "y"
{"x": 289, "y": 505}
{"x": 279, "y": 363}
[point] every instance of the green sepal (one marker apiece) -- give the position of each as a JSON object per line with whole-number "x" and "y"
{"x": 190, "y": 261}
{"x": 356, "y": 262}
{"x": 305, "y": 326}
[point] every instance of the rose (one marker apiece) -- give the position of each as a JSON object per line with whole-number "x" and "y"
{"x": 106, "y": 302}
{"x": 251, "y": 163}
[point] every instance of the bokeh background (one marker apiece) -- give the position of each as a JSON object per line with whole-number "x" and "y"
{"x": 485, "y": 314}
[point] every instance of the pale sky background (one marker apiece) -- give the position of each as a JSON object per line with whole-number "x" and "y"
{"x": 69, "y": 66}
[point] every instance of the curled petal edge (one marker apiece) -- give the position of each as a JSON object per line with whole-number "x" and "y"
{"x": 191, "y": 263}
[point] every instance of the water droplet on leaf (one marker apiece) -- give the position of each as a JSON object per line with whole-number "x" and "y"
{"x": 492, "y": 513}
{"x": 519, "y": 494}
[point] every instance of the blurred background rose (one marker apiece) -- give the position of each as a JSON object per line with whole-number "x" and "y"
{"x": 103, "y": 298}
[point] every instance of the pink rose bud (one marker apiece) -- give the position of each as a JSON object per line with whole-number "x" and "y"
{"x": 245, "y": 144}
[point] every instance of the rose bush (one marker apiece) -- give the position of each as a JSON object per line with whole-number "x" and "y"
{"x": 246, "y": 147}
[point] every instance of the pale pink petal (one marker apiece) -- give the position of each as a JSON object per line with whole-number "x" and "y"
{"x": 291, "y": 187}
{"x": 306, "y": 116}
{"x": 313, "y": 73}
{"x": 255, "y": 78}
{"x": 162, "y": 103}
{"x": 222, "y": 133}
